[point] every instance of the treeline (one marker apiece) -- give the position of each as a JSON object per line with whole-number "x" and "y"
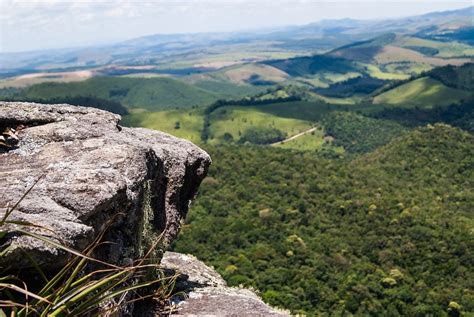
{"x": 84, "y": 101}
{"x": 459, "y": 115}
{"x": 459, "y": 77}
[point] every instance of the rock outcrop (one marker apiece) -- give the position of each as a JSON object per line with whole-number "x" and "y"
{"x": 92, "y": 173}
{"x": 208, "y": 294}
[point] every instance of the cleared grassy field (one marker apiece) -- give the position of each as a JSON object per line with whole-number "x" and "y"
{"x": 289, "y": 117}
{"x": 309, "y": 141}
{"x": 190, "y": 122}
{"x": 423, "y": 92}
{"x": 236, "y": 120}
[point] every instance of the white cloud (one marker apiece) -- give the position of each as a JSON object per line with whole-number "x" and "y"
{"x": 39, "y": 24}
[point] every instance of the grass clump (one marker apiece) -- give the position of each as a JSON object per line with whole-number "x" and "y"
{"x": 84, "y": 286}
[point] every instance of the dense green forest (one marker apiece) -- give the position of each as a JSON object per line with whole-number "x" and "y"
{"x": 357, "y": 133}
{"x": 372, "y": 216}
{"x": 386, "y": 233}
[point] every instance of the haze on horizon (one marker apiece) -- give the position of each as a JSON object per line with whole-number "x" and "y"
{"x": 33, "y": 25}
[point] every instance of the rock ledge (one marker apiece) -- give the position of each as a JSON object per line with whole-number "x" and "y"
{"x": 92, "y": 172}
{"x": 208, "y": 294}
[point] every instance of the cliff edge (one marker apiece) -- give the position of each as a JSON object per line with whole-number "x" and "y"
{"x": 72, "y": 173}
{"x": 91, "y": 173}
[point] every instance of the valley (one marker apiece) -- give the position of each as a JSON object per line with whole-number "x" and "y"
{"x": 342, "y": 175}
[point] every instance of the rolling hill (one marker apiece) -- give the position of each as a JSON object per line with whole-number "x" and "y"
{"x": 311, "y": 65}
{"x": 440, "y": 86}
{"x": 423, "y": 92}
{"x": 393, "y": 48}
{"x": 194, "y": 53}
{"x": 136, "y": 93}
{"x": 385, "y": 234}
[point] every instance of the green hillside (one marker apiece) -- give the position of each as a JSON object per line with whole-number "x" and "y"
{"x": 423, "y": 92}
{"x": 387, "y": 234}
{"x": 358, "y": 134}
{"x": 310, "y": 65}
{"x": 235, "y": 121}
{"x": 144, "y": 93}
{"x": 230, "y": 123}
{"x": 186, "y": 124}
{"x": 458, "y": 115}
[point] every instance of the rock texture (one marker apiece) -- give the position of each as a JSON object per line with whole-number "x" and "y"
{"x": 208, "y": 294}
{"x": 92, "y": 173}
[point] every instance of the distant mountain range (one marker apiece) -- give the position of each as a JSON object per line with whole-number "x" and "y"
{"x": 165, "y": 51}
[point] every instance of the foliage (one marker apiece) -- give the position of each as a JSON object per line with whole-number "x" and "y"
{"x": 459, "y": 115}
{"x": 455, "y": 77}
{"x": 357, "y": 133}
{"x": 385, "y": 234}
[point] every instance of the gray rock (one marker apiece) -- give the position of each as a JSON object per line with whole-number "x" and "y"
{"x": 208, "y": 294}
{"x": 92, "y": 174}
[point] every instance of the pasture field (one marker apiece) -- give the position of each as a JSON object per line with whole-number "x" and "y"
{"x": 190, "y": 122}
{"x": 309, "y": 141}
{"x": 236, "y": 120}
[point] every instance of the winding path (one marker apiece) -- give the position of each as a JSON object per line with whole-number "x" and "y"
{"x": 295, "y": 136}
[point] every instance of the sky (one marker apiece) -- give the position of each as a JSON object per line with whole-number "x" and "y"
{"x": 27, "y": 25}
